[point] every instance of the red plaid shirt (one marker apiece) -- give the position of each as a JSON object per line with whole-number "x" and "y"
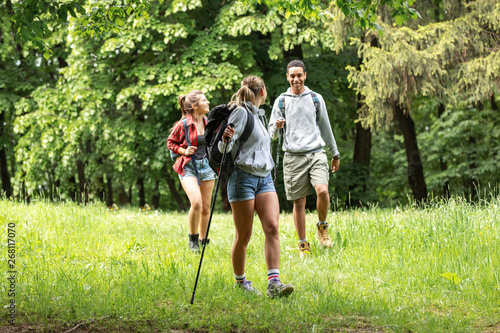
{"x": 177, "y": 140}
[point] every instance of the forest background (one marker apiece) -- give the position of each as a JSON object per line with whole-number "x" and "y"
{"x": 414, "y": 107}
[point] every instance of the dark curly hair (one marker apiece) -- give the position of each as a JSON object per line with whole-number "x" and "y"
{"x": 296, "y": 63}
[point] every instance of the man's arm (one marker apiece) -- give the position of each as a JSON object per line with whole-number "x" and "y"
{"x": 325, "y": 127}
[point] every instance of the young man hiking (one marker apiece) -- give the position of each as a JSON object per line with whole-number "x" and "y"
{"x": 300, "y": 114}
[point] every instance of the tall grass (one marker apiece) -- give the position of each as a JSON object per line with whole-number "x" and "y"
{"x": 405, "y": 269}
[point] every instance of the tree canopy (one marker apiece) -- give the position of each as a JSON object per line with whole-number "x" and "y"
{"x": 91, "y": 122}
{"x": 29, "y": 17}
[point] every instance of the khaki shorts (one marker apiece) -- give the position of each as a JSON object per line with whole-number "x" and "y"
{"x": 302, "y": 171}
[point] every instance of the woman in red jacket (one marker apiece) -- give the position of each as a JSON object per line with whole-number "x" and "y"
{"x": 197, "y": 178}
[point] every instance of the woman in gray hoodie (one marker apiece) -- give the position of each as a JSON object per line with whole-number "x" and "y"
{"x": 250, "y": 187}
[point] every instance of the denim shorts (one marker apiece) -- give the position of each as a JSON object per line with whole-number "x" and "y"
{"x": 248, "y": 186}
{"x": 204, "y": 170}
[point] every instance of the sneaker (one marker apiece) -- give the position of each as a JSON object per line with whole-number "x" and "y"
{"x": 277, "y": 289}
{"x": 304, "y": 249}
{"x": 246, "y": 285}
{"x": 323, "y": 236}
{"x": 194, "y": 243}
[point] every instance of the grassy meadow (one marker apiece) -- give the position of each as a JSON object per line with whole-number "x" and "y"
{"x": 409, "y": 269}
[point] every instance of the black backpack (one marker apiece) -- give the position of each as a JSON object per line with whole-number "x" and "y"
{"x": 217, "y": 123}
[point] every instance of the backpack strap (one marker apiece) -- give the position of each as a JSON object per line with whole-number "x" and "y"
{"x": 186, "y": 132}
{"x": 248, "y": 128}
{"x": 316, "y": 105}
{"x": 281, "y": 103}
{"x": 244, "y": 136}
{"x": 186, "y": 136}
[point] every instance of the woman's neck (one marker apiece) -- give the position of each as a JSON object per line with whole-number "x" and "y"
{"x": 258, "y": 102}
{"x": 197, "y": 117}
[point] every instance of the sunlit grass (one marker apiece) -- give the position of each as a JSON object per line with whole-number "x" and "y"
{"x": 418, "y": 269}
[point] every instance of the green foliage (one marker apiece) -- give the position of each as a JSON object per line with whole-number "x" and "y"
{"x": 30, "y": 18}
{"x": 116, "y": 101}
{"x": 363, "y": 12}
{"x": 451, "y": 61}
{"x": 99, "y": 17}
{"x": 110, "y": 101}
{"x": 467, "y": 139}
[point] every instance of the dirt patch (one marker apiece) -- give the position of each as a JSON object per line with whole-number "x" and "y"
{"x": 25, "y": 328}
{"x": 492, "y": 329}
{"x": 85, "y": 327}
{"x": 351, "y": 323}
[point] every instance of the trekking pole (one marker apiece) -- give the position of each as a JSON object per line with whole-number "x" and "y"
{"x": 280, "y": 135}
{"x": 211, "y": 213}
{"x": 278, "y": 149}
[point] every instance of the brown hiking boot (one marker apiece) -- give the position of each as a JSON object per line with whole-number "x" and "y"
{"x": 304, "y": 249}
{"x": 323, "y": 236}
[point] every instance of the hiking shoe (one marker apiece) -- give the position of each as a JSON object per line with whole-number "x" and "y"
{"x": 323, "y": 236}
{"x": 304, "y": 249}
{"x": 194, "y": 243}
{"x": 277, "y": 289}
{"x": 246, "y": 285}
{"x": 204, "y": 241}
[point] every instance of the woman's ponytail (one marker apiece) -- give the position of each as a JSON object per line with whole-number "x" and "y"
{"x": 182, "y": 100}
{"x": 250, "y": 88}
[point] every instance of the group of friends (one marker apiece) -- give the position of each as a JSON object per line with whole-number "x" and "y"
{"x": 299, "y": 115}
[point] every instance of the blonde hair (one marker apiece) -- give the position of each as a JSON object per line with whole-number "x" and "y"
{"x": 188, "y": 101}
{"x": 250, "y": 88}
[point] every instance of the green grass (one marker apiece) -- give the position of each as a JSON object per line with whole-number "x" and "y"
{"x": 435, "y": 269}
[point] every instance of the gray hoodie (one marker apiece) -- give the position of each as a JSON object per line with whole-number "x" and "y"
{"x": 255, "y": 154}
{"x": 303, "y": 132}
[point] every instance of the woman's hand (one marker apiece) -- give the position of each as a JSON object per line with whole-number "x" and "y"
{"x": 190, "y": 150}
{"x": 228, "y": 133}
{"x": 280, "y": 123}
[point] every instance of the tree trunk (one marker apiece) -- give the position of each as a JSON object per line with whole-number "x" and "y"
{"x": 362, "y": 149}
{"x": 6, "y": 185}
{"x": 101, "y": 192}
{"x": 142, "y": 193}
{"x": 57, "y": 185}
{"x": 24, "y": 193}
{"x": 130, "y": 194}
{"x": 122, "y": 195}
{"x": 415, "y": 168}
{"x": 473, "y": 181}
{"x": 442, "y": 163}
{"x": 109, "y": 191}
{"x": 493, "y": 103}
{"x": 51, "y": 175}
{"x": 82, "y": 182}
{"x": 155, "y": 200}
{"x": 73, "y": 190}
{"x": 173, "y": 190}
{"x": 100, "y": 186}
{"x": 293, "y": 54}
{"x": 361, "y": 164}
{"x": 4, "y": 168}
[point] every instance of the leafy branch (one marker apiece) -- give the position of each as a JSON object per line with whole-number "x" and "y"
{"x": 30, "y": 18}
